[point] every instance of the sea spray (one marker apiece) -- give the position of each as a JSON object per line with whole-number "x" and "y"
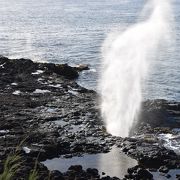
{"x": 125, "y": 64}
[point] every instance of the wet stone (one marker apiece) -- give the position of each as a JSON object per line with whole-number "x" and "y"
{"x": 63, "y": 119}
{"x": 163, "y": 169}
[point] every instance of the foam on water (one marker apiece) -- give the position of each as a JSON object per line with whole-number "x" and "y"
{"x": 126, "y": 58}
{"x": 171, "y": 141}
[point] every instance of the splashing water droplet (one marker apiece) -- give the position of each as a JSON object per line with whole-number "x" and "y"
{"x": 125, "y": 64}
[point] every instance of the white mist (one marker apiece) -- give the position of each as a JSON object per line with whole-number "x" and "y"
{"x": 125, "y": 64}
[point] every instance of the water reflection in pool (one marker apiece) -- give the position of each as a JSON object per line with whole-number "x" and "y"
{"x": 114, "y": 163}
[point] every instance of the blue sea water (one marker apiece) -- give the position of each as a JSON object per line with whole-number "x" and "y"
{"x": 72, "y": 31}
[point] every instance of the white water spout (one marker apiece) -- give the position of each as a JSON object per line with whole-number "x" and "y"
{"x": 126, "y": 59}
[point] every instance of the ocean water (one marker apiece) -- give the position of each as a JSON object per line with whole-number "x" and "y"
{"x": 73, "y": 31}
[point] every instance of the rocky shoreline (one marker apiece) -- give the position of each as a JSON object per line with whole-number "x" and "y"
{"x": 46, "y": 114}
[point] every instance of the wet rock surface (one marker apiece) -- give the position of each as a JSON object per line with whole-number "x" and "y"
{"x": 46, "y": 114}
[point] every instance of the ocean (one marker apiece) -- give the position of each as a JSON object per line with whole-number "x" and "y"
{"x": 73, "y": 31}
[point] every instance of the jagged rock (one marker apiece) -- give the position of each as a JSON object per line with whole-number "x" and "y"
{"x": 144, "y": 174}
{"x": 93, "y": 172}
{"x": 57, "y": 175}
{"x": 81, "y": 67}
{"x": 163, "y": 169}
{"x": 76, "y": 168}
{"x": 63, "y": 70}
{"x": 43, "y": 107}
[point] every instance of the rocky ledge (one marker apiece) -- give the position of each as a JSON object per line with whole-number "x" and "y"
{"x": 44, "y": 114}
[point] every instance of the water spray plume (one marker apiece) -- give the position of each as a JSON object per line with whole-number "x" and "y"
{"x": 125, "y": 64}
